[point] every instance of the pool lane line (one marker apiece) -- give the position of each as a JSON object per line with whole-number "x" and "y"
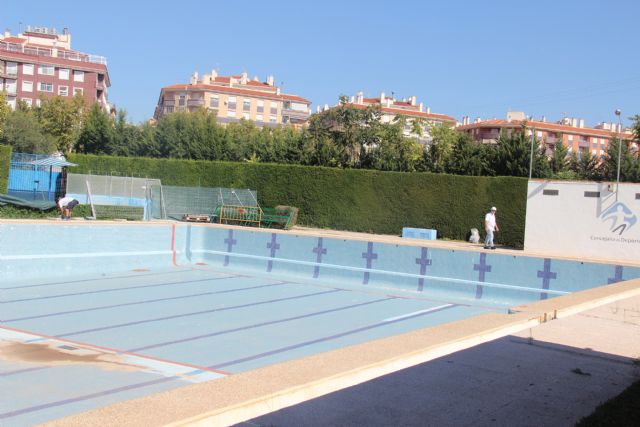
{"x": 155, "y": 285}
{"x": 104, "y": 307}
{"x": 116, "y": 351}
{"x": 194, "y": 313}
{"x": 45, "y": 337}
{"x": 260, "y": 324}
{"x": 324, "y": 339}
{"x": 229, "y": 363}
{"x": 108, "y": 392}
{"x": 415, "y": 313}
{"x": 95, "y": 279}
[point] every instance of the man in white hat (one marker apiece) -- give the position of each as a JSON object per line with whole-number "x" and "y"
{"x": 490, "y": 225}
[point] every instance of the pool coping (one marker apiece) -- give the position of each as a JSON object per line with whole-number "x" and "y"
{"x": 247, "y": 395}
{"x": 344, "y": 235}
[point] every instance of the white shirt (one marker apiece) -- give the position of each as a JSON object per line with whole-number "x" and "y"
{"x": 64, "y": 201}
{"x": 490, "y": 221}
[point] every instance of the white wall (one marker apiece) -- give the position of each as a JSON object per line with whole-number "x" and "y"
{"x": 571, "y": 224}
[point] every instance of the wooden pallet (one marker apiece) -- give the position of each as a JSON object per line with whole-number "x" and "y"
{"x": 195, "y": 218}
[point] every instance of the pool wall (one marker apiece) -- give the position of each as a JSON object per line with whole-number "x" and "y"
{"x": 46, "y": 250}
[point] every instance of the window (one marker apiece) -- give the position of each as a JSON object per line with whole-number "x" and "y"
{"x": 12, "y": 68}
{"x": 246, "y": 105}
{"x": 27, "y": 69}
{"x": 11, "y": 100}
{"x": 214, "y": 101}
{"x": 63, "y": 90}
{"x": 168, "y": 109}
{"x": 272, "y": 119}
{"x": 78, "y": 76}
{"x": 46, "y": 70}
{"x": 38, "y": 102}
{"x": 245, "y": 116}
{"x": 260, "y": 107}
{"x": 28, "y": 101}
{"x": 63, "y": 73}
{"x": 259, "y": 118}
{"x": 274, "y": 108}
{"x": 231, "y": 103}
{"x": 231, "y": 113}
{"x": 570, "y": 138}
{"x": 181, "y": 100}
{"x": 78, "y": 91}
{"x": 27, "y": 86}
{"x": 45, "y": 87}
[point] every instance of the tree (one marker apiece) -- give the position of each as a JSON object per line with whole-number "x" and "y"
{"x": 636, "y": 126}
{"x": 585, "y": 165}
{"x": 4, "y": 112}
{"x": 443, "y": 139}
{"x": 61, "y": 118}
{"x": 559, "y": 161}
{"x": 96, "y": 135}
{"x": 628, "y": 162}
{"x": 471, "y": 158}
{"x": 23, "y": 132}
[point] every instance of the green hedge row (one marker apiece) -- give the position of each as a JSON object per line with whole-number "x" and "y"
{"x": 348, "y": 199}
{"x": 5, "y": 164}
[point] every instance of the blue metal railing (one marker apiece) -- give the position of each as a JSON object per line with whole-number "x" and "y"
{"x": 33, "y": 182}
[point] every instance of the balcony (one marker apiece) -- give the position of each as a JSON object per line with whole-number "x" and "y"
{"x": 8, "y": 74}
{"x": 195, "y": 103}
{"x": 100, "y": 86}
{"x": 295, "y": 114}
{"x": 40, "y": 51}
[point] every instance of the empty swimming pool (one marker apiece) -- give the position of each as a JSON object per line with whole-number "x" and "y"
{"x": 93, "y": 314}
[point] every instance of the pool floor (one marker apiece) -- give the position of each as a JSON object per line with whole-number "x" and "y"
{"x": 79, "y": 343}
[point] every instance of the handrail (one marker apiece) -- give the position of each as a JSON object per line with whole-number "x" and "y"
{"x": 42, "y": 51}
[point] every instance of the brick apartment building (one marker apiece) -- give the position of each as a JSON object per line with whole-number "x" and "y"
{"x": 234, "y": 98}
{"x": 409, "y": 108}
{"x": 572, "y": 132}
{"x": 40, "y": 62}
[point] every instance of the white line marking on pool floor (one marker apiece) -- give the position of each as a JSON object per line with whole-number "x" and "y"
{"x": 415, "y": 313}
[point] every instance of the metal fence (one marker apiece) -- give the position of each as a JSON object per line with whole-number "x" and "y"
{"x": 176, "y": 202}
{"x": 118, "y": 192}
{"x": 34, "y": 182}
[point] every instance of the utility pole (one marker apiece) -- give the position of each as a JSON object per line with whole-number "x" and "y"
{"x": 619, "y": 113}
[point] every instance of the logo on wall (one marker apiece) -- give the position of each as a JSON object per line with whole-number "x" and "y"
{"x": 620, "y": 217}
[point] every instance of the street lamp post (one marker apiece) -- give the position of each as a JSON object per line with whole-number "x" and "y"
{"x": 619, "y": 113}
{"x": 533, "y": 138}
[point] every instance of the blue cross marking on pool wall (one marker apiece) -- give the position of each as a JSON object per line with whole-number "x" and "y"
{"x": 617, "y": 276}
{"x": 369, "y": 256}
{"x": 274, "y": 247}
{"x": 482, "y": 268}
{"x": 230, "y": 241}
{"x": 424, "y": 261}
{"x": 546, "y": 275}
{"x": 319, "y": 251}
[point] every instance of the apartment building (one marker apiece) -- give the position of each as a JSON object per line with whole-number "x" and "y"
{"x": 408, "y": 108}
{"x": 234, "y": 98}
{"x": 39, "y": 62}
{"x": 571, "y": 131}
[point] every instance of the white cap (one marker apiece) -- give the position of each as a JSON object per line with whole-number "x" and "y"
{"x": 493, "y": 208}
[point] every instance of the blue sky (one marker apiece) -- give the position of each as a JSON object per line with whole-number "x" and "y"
{"x": 477, "y": 58}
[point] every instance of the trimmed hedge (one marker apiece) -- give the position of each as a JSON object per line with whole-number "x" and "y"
{"x": 348, "y": 199}
{"x": 5, "y": 164}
